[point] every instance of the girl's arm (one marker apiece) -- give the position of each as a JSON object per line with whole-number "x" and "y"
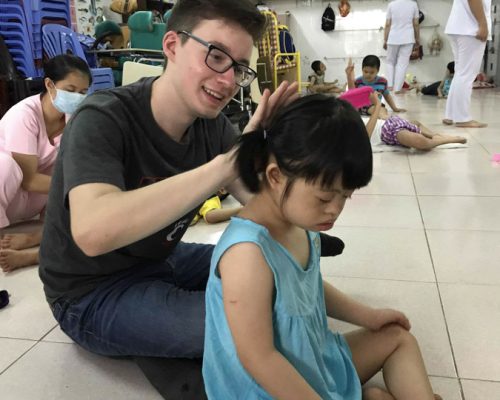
{"x": 372, "y": 122}
{"x": 349, "y": 72}
{"x": 32, "y": 180}
{"x": 344, "y": 308}
{"x": 248, "y": 288}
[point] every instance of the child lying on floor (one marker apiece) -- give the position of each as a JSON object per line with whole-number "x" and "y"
{"x": 396, "y": 131}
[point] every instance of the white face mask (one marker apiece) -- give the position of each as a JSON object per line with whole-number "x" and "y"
{"x": 67, "y": 102}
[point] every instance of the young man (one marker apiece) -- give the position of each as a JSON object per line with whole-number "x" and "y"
{"x": 135, "y": 165}
{"x": 370, "y": 68}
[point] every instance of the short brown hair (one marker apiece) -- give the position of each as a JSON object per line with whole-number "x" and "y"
{"x": 187, "y": 14}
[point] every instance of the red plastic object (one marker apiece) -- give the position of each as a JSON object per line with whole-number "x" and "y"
{"x": 359, "y": 97}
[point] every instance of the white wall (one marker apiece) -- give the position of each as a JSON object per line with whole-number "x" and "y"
{"x": 360, "y": 34}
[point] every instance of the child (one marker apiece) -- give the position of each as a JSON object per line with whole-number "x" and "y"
{"x": 370, "y": 67}
{"x": 396, "y": 131}
{"x": 440, "y": 88}
{"x": 212, "y": 212}
{"x": 266, "y": 303}
{"x": 317, "y": 82}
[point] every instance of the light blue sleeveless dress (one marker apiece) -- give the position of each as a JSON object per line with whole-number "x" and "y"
{"x": 300, "y": 326}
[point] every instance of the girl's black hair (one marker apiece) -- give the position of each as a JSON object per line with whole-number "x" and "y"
{"x": 58, "y": 68}
{"x": 451, "y": 67}
{"x": 315, "y": 138}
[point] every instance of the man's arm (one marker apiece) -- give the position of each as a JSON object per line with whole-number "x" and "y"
{"x": 104, "y": 218}
{"x": 476, "y": 7}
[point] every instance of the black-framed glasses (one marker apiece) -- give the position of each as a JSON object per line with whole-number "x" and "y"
{"x": 219, "y": 61}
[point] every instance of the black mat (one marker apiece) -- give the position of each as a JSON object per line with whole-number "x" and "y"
{"x": 174, "y": 378}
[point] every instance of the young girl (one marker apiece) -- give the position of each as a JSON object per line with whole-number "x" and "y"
{"x": 266, "y": 303}
{"x": 30, "y": 133}
{"x": 397, "y": 131}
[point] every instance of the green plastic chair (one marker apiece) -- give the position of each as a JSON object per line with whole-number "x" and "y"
{"x": 144, "y": 33}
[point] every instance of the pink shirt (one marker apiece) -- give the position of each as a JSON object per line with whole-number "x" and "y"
{"x": 22, "y": 130}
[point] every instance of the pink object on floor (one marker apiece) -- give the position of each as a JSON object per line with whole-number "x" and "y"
{"x": 496, "y": 157}
{"x": 359, "y": 97}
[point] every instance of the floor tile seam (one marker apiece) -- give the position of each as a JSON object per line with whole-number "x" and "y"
{"x": 458, "y": 195}
{"x": 479, "y": 380}
{"x": 18, "y": 358}
{"x": 375, "y": 279}
{"x": 492, "y": 285}
{"x": 461, "y": 230}
{"x": 455, "y": 366}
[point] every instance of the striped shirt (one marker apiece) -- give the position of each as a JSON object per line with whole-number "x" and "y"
{"x": 379, "y": 84}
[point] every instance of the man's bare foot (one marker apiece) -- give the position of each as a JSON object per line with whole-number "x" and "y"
{"x": 14, "y": 259}
{"x": 447, "y": 121}
{"x": 20, "y": 241}
{"x": 471, "y": 124}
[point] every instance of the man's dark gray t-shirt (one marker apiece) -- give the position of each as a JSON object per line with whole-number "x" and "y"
{"x": 114, "y": 139}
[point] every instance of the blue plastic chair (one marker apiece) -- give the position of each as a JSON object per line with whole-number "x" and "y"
{"x": 58, "y": 39}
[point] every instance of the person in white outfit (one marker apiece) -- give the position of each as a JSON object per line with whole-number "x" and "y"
{"x": 468, "y": 28}
{"x": 400, "y": 34}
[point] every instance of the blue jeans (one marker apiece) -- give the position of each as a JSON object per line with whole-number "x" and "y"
{"x": 153, "y": 310}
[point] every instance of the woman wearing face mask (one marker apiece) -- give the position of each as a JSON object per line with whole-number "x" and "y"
{"x": 29, "y": 141}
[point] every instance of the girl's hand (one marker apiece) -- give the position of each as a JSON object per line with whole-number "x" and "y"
{"x": 270, "y": 104}
{"x": 350, "y": 67}
{"x": 374, "y": 98}
{"x": 385, "y": 316}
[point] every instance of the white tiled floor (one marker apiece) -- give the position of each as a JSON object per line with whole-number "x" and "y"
{"x": 423, "y": 237}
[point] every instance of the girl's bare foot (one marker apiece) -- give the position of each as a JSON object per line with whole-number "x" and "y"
{"x": 447, "y": 121}
{"x": 20, "y": 241}
{"x": 14, "y": 259}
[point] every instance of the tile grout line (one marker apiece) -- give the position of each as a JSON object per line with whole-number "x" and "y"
{"x": 437, "y": 286}
{"x": 28, "y": 350}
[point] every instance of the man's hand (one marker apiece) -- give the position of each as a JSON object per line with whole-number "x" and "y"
{"x": 270, "y": 103}
{"x": 482, "y": 33}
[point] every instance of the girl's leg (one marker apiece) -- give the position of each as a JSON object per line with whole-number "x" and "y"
{"x": 394, "y": 350}
{"x": 425, "y": 141}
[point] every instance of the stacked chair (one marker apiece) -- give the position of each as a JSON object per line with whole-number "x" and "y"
{"x": 58, "y": 39}
{"x": 21, "y": 28}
